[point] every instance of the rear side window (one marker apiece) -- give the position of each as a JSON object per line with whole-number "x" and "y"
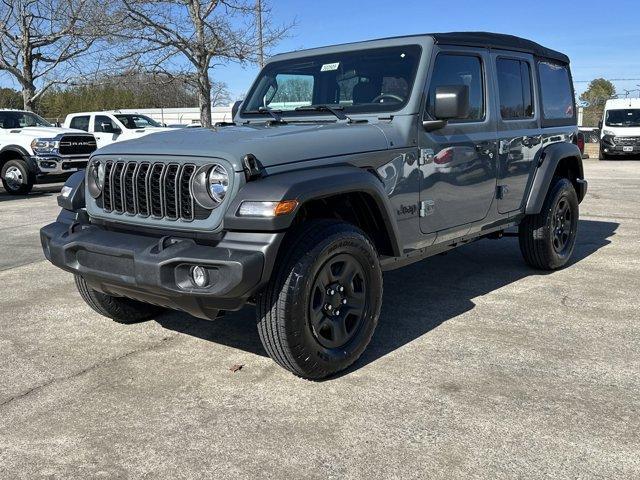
{"x": 80, "y": 123}
{"x": 466, "y": 70}
{"x": 514, "y": 84}
{"x": 557, "y": 95}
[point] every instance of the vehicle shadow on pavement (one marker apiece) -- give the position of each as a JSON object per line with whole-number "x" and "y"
{"x": 417, "y": 298}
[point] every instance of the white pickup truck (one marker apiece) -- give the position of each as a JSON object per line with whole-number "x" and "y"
{"x": 34, "y": 151}
{"x": 113, "y": 126}
{"x": 620, "y": 128}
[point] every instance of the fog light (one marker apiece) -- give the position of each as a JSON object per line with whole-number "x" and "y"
{"x": 199, "y": 276}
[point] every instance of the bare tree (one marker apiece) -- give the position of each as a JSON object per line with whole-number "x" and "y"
{"x": 43, "y": 42}
{"x": 191, "y": 37}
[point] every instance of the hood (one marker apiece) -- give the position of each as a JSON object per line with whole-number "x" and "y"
{"x": 46, "y": 132}
{"x": 148, "y": 130}
{"x": 623, "y": 131}
{"x": 272, "y": 145}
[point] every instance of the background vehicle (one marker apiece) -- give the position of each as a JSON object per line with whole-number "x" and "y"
{"x": 620, "y": 128}
{"x": 33, "y": 151}
{"x": 298, "y": 209}
{"x": 110, "y": 127}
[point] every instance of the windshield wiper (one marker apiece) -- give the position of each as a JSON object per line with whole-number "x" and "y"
{"x": 336, "y": 111}
{"x": 275, "y": 114}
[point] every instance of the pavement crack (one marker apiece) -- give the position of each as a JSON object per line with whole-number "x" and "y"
{"x": 86, "y": 370}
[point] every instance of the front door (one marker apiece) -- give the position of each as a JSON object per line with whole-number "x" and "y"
{"x": 518, "y": 127}
{"x": 458, "y": 165}
{"x": 105, "y": 130}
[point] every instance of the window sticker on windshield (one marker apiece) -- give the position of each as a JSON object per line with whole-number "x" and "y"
{"x": 330, "y": 67}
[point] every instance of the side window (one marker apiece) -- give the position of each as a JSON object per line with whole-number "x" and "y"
{"x": 80, "y": 123}
{"x": 514, "y": 84}
{"x": 453, "y": 69}
{"x": 104, "y": 124}
{"x": 555, "y": 88}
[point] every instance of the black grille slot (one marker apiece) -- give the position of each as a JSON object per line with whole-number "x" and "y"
{"x": 129, "y": 190}
{"x": 116, "y": 187}
{"x": 170, "y": 191}
{"x": 141, "y": 189}
{"x": 106, "y": 191}
{"x": 77, "y": 145}
{"x": 154, "y": 190}
{"x": 186, "y": 200}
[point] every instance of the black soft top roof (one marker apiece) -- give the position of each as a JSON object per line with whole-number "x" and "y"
{"x": 498, "y": 40}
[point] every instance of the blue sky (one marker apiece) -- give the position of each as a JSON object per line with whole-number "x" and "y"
{"x": 602, "y": 39}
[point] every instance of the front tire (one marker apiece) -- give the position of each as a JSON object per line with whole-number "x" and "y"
{"x": 119, "y": 309}
{"x": 547, "y": 239}
{"x": 319, "y": 311}
{"x": 16, "y": 178}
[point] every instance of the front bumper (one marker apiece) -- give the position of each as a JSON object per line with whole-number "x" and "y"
{"x": 156, "y": 270}
{"x": 629, "y": 146}
{"x": 54, "y": 168}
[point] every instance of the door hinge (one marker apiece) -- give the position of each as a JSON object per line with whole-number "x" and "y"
{"x": 427, "y": 207}
{"x": 502, "y": 191}
{"x": 426, "y": 156}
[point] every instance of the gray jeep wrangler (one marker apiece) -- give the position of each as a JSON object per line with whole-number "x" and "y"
{"x": 341, "y": 163}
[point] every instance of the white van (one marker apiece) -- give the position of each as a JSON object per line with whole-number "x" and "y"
{"x": 620, "y": 128}
{"x": 113, "y": 126}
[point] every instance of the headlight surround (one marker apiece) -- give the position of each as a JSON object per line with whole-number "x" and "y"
{"x": 210, "y": 186}
{"x": 44, "y": 145}
{"x": 609, "y": 133}
{"x": 95, "y": 178}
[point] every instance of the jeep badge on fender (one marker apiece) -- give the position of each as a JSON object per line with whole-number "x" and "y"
{"x": 386, "y": 152}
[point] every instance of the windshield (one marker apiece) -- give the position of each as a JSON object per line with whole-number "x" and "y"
{"x": 365, "y": 81}
{"x": 627, "y": 117}
{"x": 21, "y": 120}
{"x": 137, "y": 121}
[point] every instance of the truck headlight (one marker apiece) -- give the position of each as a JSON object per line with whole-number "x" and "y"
{"x": 210, "y": 185}
{"x": 95, "y": 178}
{"x": 44, "y": 145}
{"x": 218, "y": 183}
{"x": 609, "y": 133}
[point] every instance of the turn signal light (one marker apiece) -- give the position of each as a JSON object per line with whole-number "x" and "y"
{"x": 267, "y": 209}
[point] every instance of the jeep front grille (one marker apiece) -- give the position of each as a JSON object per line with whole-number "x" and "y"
{"x": 155, "y": 190}
{"x": 77, "y": 145}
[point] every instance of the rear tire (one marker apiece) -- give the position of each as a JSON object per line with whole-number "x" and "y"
{"x": 320, "y": 309}
{"x": 119, "y": 309}
{"x": 16, "y": 178}
{"x": 547, "y": 239}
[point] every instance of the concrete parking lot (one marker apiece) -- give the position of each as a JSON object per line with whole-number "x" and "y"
{"x": 480, "y": 368}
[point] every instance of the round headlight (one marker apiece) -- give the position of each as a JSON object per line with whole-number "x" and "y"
{"x": 218, "y": 183}
{"x": 95, "y": 180}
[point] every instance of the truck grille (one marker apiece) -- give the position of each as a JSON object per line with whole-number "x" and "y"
{"x": 627, "y": 141}
{"x": 155, "y": 190}
{"x": 77, "y": 145}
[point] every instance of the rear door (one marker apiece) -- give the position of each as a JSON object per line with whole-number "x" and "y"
{"x": 519, "y": 137}
{"x": 458, "y": 180}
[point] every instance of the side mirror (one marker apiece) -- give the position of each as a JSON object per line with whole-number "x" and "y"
{"x": 451, "y": 102}
{"x": 235, "y": 108}
{"x": 600, "y": 124}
